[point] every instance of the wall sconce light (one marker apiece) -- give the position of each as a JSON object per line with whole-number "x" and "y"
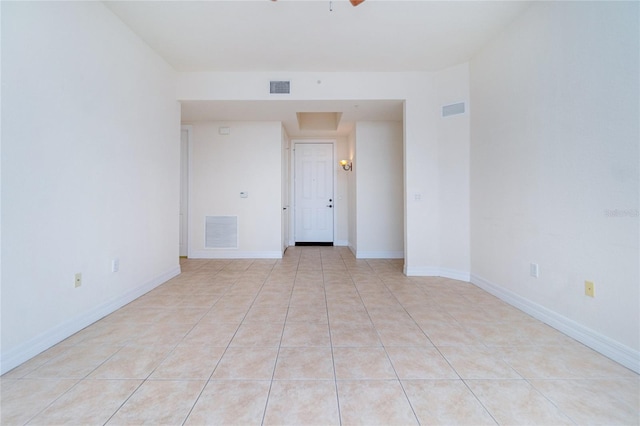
{"x": 346, "y": 165}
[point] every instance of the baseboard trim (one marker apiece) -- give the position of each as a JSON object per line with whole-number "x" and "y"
{"x": 24, "y": 352}
{"x": 379, "y": 255}
{"x": 423, "y": 271}
{"x": 341, "y": 243}
{"x": 432, "y": 271}
{"x": 608, "y": 347}
{"x": 234, "y": 254}
{"x": 455, "y": 274}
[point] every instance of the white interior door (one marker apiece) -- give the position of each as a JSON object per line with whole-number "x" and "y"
{"x": 313, "y": 192}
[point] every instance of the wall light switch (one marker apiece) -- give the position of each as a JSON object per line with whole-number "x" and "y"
{"x": 115, "y": 265}
{"x": 534, "y": 270}
{"x": 224, "y": 130}
{"x": 78, "y": 279}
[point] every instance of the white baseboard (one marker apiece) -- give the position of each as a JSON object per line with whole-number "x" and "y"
{"x": 455, "y": 275}
{"x": 16, "y": 356}
{"x": 422, "y": 271}
{"x": 341, "y": 243}
{"x": 608, "y": 347}
{"x": 379, "y": 254}
{"x": 433, "y": 271}
{"x": 234, "y": 254}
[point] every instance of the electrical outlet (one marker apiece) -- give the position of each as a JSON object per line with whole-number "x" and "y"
{"x": 115, "y": 265}
{"x": 78, "y": 280}
{"x": 589, "y": 289}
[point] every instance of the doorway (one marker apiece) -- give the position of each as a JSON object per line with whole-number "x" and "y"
{"x": 314, "y": 193}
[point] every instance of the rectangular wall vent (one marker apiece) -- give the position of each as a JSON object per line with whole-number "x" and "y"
{"x": 453, "y": 109}
{"x": 280, "y": 87}
{"x": 221, "y": 232}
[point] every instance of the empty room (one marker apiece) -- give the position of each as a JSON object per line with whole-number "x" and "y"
{"x": 320, "y": 212}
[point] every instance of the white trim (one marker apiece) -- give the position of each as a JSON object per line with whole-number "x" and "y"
{"x": 455, "y": 275}
{"x": 432, "y": 271}
{"x": 422, "y": 271}
{"x": 341, "y": 243}
{"x": 16, "y": 356}
{"x": 235, "y": 254}
{"x": 608, "y": 347}
{"x": 184, "y": 224}
{"x": 189, "y": 129}
{"x": 379, "y": 255}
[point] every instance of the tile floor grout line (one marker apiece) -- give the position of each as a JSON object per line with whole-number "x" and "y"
{"x": 275, "y": 362}
{"x": 333, "y": 359}
{"x": 78, "y": 382}
{"x": 464, "y": 381}
{"x": 124, "y": 402}
{"x": 206, "y": 382}
{"x": 550, "y": 401}
{"x": 393, "y": 367}
{"x": 219, "y": 359}
{"x": 53, "y": 401}
{"x": 174, "y": 348}
{"x": 485, "y": 408}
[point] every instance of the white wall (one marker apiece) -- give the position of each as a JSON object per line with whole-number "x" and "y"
{"x": 353, "y": 192}
{"x": 422, "y": 183}
{"x": 421, "y": 169}
{"x": 452, "y": 86}
{"x": 342, "y": 195}
{"x": 90, "y": 171}
{"x": 380, "y": 192}
{"x": 554, "y": 156}
{"x": 222, "y": 166}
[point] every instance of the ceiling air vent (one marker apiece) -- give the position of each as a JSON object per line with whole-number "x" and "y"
{"x": 280, "y": 87}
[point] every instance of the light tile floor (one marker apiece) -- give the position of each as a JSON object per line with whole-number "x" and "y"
{"x": 318, "y": 338}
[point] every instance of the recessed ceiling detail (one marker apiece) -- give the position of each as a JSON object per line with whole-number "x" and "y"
{"x": 326, "y": 121}
{"x": 286, "y": 112}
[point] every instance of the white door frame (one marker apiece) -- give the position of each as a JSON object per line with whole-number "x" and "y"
{"x": 286, "y": 178}
{"x": 187, "y": 219}
{"x": 292, "y": 197}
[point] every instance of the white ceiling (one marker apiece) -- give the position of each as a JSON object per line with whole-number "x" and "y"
{"x": 312, "y": 35}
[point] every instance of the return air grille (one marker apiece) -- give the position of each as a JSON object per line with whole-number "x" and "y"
{"x": 221, "y": 232}
{"x": 280, "y": 87}
{"x": 453, "y": 109}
